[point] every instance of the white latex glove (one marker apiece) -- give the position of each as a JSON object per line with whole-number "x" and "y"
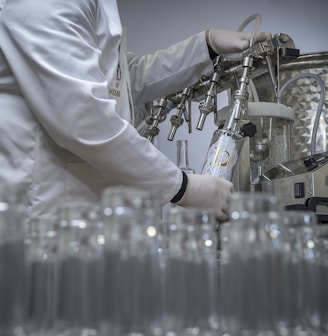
{"x": 205, "y": 191}
{"x": 230, "y": 41}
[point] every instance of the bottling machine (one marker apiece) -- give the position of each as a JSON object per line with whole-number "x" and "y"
{"x": 277, "y": 99}
{"x": 302, "y": 181}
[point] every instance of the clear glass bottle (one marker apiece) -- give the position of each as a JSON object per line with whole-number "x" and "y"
{"x": 223, "y": 154}
{"x": 134, "y": 262}
{"x": 41, "y": 245}
{"x": 191, "y": 277}
{"x": 12, "y": 262}
{"x": 227, "y": 142}
{"x": 182, "y": 157}
{"x": 81, "y": 271}
{"x": 301, "y": 267}
{"x": 322, "y": 234}
{"x": 251, "y": 278}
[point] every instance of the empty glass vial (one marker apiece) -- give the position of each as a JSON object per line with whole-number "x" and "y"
{"x": 322, "y": 235}
{"x": 183, "y": 156}
{"x": 251, "y": 265}
{"x": 301, "y": 266}
{"x": 12, "y": 264}
{"x": 41, "y": 274}
{"x": 81, "y": 271}
{"x": 191, "y": 306}
{"x": 224, "y": 234}
{"x": 134, "y": 262}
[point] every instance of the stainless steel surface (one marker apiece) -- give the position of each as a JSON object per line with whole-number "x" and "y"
{"x": 300, "y": 184}
{"x": 295, "y": 167}
{"x": 295, "y": 183}
{"x": 314, "y": 183}
{"x": 303, "y": 97}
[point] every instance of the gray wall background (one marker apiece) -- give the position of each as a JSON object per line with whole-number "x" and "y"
{"x": 154, "y": 24}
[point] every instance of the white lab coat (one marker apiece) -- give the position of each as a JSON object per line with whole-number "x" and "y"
{"x": 65, "y": 112}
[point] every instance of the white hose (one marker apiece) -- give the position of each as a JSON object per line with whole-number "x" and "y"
{"x": 246, "y": 22}
{"x": 320, "y": 104}
{"x": 253, "y": 91}
{"x": 239, "y": 55}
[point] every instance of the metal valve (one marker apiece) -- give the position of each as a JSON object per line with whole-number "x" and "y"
{"x": 209, "y": 105}
{"x": 156, "y": 116}
{"x": 228, "y": 73}
{"x": 177, "y": 120}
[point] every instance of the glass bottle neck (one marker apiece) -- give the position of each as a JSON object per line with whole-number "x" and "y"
{"x": 182, "y": 156}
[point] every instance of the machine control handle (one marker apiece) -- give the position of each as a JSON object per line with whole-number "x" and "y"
{"x": 248, "y": 130}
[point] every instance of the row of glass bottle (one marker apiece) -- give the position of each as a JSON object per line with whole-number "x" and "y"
{"x": 113, "y": 269}
{"x": 273, "y": 262}
{"x": 119, "y": 269}
{"x": 274, "y": 270}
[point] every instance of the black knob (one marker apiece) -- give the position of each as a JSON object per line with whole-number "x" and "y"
{"x": 248, "y": 129}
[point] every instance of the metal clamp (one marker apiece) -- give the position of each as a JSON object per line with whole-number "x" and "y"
{"x": 279, "y": 41}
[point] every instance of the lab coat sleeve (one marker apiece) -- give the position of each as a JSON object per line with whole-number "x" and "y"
{"x": 52, "y": 49}
{"x": 170, "y": 70}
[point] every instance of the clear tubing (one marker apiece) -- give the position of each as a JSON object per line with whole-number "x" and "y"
{"x": 253, "y": 91}
{"x": 245, "y": 23}
{"x": 320, "y": 104}
{"x": 258, "y": 20}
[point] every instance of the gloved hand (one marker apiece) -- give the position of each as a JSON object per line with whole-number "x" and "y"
{"x": 229, "y": 41}
{"x": 205, "y": 191}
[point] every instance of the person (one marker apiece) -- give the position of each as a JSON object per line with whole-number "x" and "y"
{"x": 67, "y": 90}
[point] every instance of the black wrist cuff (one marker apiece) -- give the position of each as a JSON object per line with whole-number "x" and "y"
{"x": 182, "y": 190}
{"x": 212, "y": 53}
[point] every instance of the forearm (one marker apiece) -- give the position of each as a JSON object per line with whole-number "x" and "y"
{"x": 168, "y": 71}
